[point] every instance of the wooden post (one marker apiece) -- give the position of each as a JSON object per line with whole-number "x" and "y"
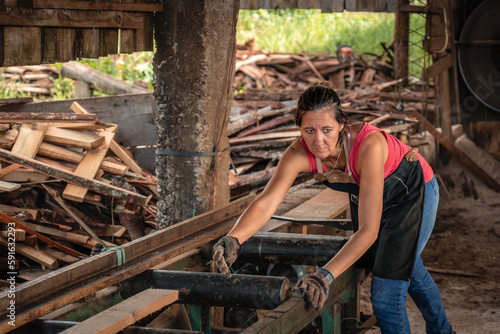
{"x": 401, "y": 38}
{"x": 194, "y": 70}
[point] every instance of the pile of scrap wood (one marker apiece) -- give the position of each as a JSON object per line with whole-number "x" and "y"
{"x": 31, "y": 80}
{"x": 66, "y": 181}
{"x": 261, "y": 124}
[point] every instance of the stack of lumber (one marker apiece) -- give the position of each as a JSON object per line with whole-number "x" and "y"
{"x": 68, "y": 183}
{"x": 31, "y": 80}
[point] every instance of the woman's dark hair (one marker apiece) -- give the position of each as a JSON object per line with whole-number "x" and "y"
{"x": 321, "y": 96}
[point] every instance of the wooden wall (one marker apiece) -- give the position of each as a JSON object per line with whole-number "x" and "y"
{"x": 47, "y": 31}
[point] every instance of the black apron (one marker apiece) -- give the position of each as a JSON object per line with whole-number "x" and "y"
{"x": 392, "y": 256}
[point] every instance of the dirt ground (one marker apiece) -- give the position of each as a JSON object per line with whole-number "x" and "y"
{"x": 462, "y": 254}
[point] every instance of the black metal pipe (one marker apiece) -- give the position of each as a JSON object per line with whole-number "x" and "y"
{"x": 57, "y": 326}
{"x": 291, "y": 248}
{"x": 342, "y": 223}
{"x": 200, "y": 288}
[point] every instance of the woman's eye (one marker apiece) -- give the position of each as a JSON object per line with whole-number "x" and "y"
{"x": 309, "y": 132}
{"x": 327, "y": 130}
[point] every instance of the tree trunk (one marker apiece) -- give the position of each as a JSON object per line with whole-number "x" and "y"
{"x": 194, "y": 71}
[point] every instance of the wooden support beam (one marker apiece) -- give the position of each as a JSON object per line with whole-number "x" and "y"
{"x": 73, "y": 237}
{"x": 73, "y": 178}
{"x": 126, "y": 313}
{"x": 6, "y": 220}
{"x": 139, "y": 255}
{"x": 100, "y": 5}
{"x": 453, "y": 149}
{"x": 20, "y": 117}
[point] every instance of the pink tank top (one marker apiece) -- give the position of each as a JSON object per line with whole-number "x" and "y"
{"x": 396, "y": 152}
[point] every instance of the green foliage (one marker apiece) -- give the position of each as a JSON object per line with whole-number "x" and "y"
{"x": 288, "y": 31}
{"x": 305, "y": 30}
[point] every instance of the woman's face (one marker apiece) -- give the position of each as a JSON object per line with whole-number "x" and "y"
{"x": 320, "y": 131}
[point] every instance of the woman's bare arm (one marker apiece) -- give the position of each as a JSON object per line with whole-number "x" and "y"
{"x": 370, "y": 167}
{"x": 293, "y": 162}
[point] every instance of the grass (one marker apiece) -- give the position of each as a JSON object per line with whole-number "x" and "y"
{"x": 305, "y": 30}
{"x": 286, "y": 31}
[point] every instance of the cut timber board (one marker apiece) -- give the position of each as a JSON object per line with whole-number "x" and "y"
{"x": 73, "y": 178}
{"x": 61, "y": 153}
{"x": 6, "y": 220}
{"x": 326, "y": 205}
{"x": 32, "y": 254}
{"x": 8, "y": 186}
{"x": 88, "y": 168}
{"x": 29, "y": 139}
{"x": 125, "y": 313}
{"x": 117, "y": 149}
{"x": 21, "y": 117}
{"x": 67, "y": 137}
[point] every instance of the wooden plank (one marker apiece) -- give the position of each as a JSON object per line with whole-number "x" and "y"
{"x": 468, "y": 162}
{"x": 88, "y": 168}
{"x": 25, "y": 175}
{"x": 16, "y": 100}
{"x": 125, "y": 313}
{"x": 8, "y": 186}
{"x": 73, "y": 237}
{"x": 120, "y": 152}
{"x": 6, "y": 220}
{"x": 68, "y": 137}
{"x": 273, "y": 135}
{"x": 26, "y": 49}
{"x": 100, "y": 5}
{"x": 327, "y": 204}
{"x": 380, "y": 6}
{"x": 73, "y": 178}
{"x": 18, "y": 234}
{"x": 29, "y": 139}
{"x": 439, "y": 66}
{"x": 65, "y": 44}
{"x": 21, "y": 117}
{"x": 15, "y": 16}
{"x": 61, "y": 153}
{"x": 139, "y": 253}
{"x": 31, "y": 253}
{"x": 329, "y": 6}
{"x": 49, "y": 45}
{"x": 33, "y": 213}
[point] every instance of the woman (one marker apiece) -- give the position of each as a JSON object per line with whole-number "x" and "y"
{"x": 393, "y": 195}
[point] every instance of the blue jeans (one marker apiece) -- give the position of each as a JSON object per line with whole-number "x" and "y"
{"x": 388, "y": 296}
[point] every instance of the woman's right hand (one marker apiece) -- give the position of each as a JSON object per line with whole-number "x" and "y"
{"x": 224, "y": 254}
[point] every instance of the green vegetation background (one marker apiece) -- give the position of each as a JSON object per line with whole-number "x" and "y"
{"x": 286, "y": 31}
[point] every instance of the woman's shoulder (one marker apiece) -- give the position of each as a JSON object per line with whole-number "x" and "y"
{"x": 296, "y": 155}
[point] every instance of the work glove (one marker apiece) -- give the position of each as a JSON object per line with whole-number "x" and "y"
{"x": 224, "y": 254}
{"x": 315, "y": 287}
